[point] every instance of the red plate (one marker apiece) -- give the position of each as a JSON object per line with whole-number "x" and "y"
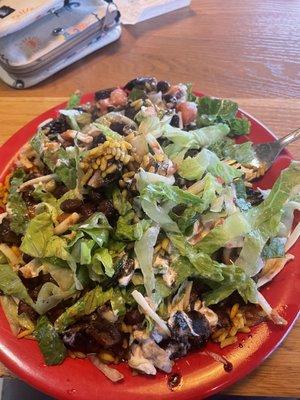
{"x": 79, "y": 379}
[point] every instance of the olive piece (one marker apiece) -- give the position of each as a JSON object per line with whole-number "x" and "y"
{"x": 103, "y": 94}
{"x": 169, "y": 98}
{"x": 175, "y": 121}
{"x": 163, "y": 86}
{"x": 71, "y": 205}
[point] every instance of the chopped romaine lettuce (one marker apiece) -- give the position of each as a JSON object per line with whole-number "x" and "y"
{"x": 198, "y": 138}
{"x": 103, "y": 257}
{"x": 193, "y": 168}
{"x": 11, "y": 284}
{"x": 49, "y": 296}
{"x": 51, "y": 345}
{"x": 16, "y": 204}
{"x": 84, "y": 306}
{"x": 227, "y": 149}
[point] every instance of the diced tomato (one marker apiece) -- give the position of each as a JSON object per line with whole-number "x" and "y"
{"x": 118, "y": 97}
{"x": 188, "y": 112}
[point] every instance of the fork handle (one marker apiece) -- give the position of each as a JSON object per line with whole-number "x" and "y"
{"x": 290, "y": 138}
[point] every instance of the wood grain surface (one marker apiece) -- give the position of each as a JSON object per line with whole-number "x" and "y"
{"x": 248, "y": 51}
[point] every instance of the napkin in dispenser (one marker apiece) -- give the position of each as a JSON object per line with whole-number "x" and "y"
{"x": 39, "y": 38}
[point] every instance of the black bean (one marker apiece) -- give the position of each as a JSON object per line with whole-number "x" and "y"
{"x": 175, "y": 121}
{"x": 71, "y": 205}
{"x": 27, "y": 196}
{"x": 142, "y": 82}
{"x": 98, "y": 140}
{"x": 95, "y": 196}
{"x": 103, "y": 94}
{"x": 26, "y": 258}
{"x": 170, "y": 99}
{"x": 107, "y": 208}
{"x": 133, "y": 317}
{"x": 25, "y": 308}
{"x": 7, "y": 235}
{"x": 86, "y": 210}
{"x": 56, "y": 126}
{"x": 163, "y": 86}
{"x": 59, "y": 191}
{"x": 117, "y": 127}
{"x": 130, "y": 112}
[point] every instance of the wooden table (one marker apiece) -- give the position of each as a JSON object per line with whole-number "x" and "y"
{"x": 246, "y": 50}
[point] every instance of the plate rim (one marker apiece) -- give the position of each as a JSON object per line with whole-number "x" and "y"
{"x": 8, "y": 357}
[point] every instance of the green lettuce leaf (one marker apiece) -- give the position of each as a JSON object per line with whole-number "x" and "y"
{"x": 118, "y": 303}
{"x": 16, "y": 203}
{"x": 127, "y": 230}
{"x": 160, "y": 215}
{"x": 212, "y": 111}
{"x": 84, "y": 306}
{"x": 16, "y": 321}
{"x": 105, "y": 259}
{"x": 203, "y": 264}
{"x": 107, "y": 132}
{"x": 50, "y": 344}
{"x": 250, "y": 256}
{"x": 197, "y": 138}
{"x": 11, "y": 284}
{"x": 37, "y": 235}
{"x": 193, "y": 168}
{"x": 120, "y": 203}
{"x": 96, "y": 227}
{"x": 227, "y": 149}
{"x": 50, "y": 295}
{"x": 74, "y": 100}
{"x": 162, "y": 192}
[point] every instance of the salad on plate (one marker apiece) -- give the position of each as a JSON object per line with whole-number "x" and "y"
{"x": 131, "y": 231}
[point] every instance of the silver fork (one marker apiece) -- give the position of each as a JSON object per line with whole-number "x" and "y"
{"x": 266, "y": 153}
